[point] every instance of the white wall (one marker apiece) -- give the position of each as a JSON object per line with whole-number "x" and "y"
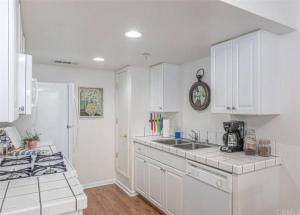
{"x": 192, "y": 119}
{"x": 284, "y": 128}
{"x": 281, "y": 11}
{"x": 94, "y": 155}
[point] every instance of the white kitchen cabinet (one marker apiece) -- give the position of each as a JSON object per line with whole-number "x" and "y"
{"x": 173, "y": 192}
{"x": 164, "y": 184}
{"x": 245, "y": 74}
{"x": 221, "y": 77}
{"x": 245, "y": 78}
{"x": 11, "y": 45}
{"x": 132, "y": 112}
{"x": 156, "y": 185}
{"x": 8, "y": 60}
{"x": 164, "y": 88}
{"x": 141, "y": 175}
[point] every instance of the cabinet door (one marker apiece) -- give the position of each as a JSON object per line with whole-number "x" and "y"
{"x": 8, "y": 61}
{"x": 156, "y": 184}
{"x": 245, "y": 74}
{"x": 174, "y": 192}
{"x": 221, "y": 77}
{"x": 123, "y": 92}
{"x": 4, "y": 61}
{"x": 141, "y": 176}
{"x": 156, "y": 88}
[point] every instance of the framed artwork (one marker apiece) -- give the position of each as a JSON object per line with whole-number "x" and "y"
{"x": 90, "y": 102}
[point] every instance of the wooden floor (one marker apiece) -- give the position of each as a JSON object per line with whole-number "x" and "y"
{"x": 111, "y": 200}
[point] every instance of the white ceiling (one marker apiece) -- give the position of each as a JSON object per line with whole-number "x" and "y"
{"x": 174, "y": 32}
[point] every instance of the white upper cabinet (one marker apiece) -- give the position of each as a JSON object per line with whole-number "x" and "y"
{"x": 164, "y": 88}
{"x": 8, "y": 60}
{"x": 221, "y": 77}
{"x": 245, "y": 74}
{"x": 245, "y": 77}
{"x": 12, "y": 44}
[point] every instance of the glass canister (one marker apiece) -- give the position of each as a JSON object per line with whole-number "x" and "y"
{"x": 250, "y": 142}
{"x": 264, "y": 148}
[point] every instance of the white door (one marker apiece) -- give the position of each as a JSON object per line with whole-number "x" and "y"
{"x": 51, "y": 116}
{"x": 245, "y": 74}
{"x": 156, "y": 88}
{"x": 141, "y": 176}
{"x": 174, "y": 192}
{"x": 156, "y": 184}
{"x": 122, "y": 108}
{"x": 221, "y": 77}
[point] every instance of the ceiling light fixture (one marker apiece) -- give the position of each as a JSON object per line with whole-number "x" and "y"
{"x": 133, "y": 34}
{"x": 98, "y": 59}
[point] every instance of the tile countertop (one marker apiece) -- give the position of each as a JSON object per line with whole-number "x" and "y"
{"x": 59, "y": 193}
{"x": 237, "y": 162}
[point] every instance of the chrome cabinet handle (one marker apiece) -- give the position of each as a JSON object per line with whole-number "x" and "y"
{"x": 233, "y": 108}
{"x": 228, "y": 108}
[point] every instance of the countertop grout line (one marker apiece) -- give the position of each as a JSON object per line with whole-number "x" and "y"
{"x": 76, "y": 207}
{"x": 4, "y": 197}
{"x": 40, "y": 198}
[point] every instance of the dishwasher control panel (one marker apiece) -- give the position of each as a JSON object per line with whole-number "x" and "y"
{"x": 217, "y": 178}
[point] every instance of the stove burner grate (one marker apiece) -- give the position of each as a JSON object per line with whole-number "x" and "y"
{"x": 13, "y": 161}
{"x": 39, "y": 170}
{"x": 52, "y": 157}
{"x": 15, "y": 174}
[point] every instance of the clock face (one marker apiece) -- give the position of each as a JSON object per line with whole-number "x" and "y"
{"x": 199, "y": 95}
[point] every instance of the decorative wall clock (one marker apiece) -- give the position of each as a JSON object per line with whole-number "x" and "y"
{"x": 199, "y": 95}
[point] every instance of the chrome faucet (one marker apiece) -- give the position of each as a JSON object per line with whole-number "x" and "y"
{"x": 194, "y": 136}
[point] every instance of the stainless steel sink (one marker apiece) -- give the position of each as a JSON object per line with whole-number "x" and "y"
{"x": 185, "y": 144}
{"x": 171, "y": 141}
{"x": 192, "y": 146}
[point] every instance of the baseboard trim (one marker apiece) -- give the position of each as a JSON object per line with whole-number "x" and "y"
{"x": 98, "y": 183}
{"x": 128, "y": 191}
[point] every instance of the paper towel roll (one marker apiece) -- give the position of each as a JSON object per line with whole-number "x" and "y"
{"x": 166, "y": 128}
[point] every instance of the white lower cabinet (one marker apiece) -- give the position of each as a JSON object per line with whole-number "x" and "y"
{"x": 156, "y": 185}
{"x": 174, "y": 192}
{"x": 162, "y": 185}
{"x": 141, "y": 175}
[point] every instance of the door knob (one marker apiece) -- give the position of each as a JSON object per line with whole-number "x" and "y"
{"x": 124, "y": 136}
{"x": 233, "y": 108}
{"x": 228, "y": 108}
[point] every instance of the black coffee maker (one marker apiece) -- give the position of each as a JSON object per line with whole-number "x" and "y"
{"x": 233, "y": 139}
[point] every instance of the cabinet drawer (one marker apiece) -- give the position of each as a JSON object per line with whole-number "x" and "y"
{"x": 141, "y": 149}
{"x": 168, "y": 159}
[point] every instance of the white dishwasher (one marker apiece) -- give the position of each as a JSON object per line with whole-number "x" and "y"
{"x": 207, "y": 191}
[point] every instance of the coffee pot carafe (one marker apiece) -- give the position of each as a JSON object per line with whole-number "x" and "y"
{"x": 233, "y": 138}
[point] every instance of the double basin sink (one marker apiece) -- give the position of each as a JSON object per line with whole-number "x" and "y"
{"x": 184, "y": 144}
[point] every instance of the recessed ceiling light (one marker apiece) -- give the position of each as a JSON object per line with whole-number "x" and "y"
{"x": 133, "y": 34}
{"x": 98, "y": 59}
